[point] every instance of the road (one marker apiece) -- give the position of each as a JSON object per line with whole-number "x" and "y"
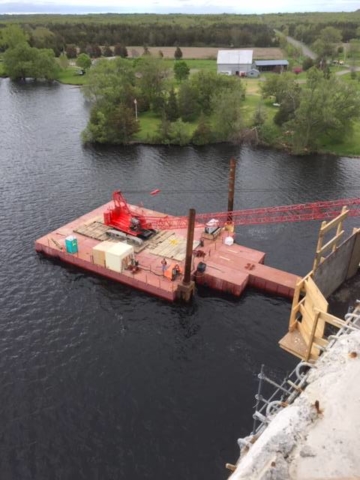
{"x": 306, "y": 50}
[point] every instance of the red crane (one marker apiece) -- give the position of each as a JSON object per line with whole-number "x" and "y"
{"x": 133, "y": 221}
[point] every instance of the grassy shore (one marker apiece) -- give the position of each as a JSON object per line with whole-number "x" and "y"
{"x": 70, "y": 76}
{"x": 150, "y": 123}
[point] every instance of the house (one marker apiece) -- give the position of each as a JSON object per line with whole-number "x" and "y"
{"x": 234, "y": 62}
{"x": 276, "y": 66}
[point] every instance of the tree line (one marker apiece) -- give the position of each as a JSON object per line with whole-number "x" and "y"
{"x": 58, "y": 35}
{"x": 323, "y": 108}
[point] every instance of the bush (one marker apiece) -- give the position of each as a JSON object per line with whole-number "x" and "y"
{"x": 269, "y": 133}
{"x": 203, "y": 134}
{"x": 307, "y": 64}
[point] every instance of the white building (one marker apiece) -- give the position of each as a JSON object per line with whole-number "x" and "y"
{"x": 234, "y": 62}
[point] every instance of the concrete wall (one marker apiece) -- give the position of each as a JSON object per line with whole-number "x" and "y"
{"x": 355, "y": 257}
{"x": 233, "y": 68}
{"x": 339, "y": 266}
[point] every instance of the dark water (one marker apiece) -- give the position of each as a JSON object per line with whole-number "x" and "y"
{"x": 102, "y": 382}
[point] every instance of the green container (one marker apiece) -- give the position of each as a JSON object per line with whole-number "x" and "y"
{"x": 71, "y": 244}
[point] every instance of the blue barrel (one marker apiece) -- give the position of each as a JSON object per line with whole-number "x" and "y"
{"x": 71, "y": 244}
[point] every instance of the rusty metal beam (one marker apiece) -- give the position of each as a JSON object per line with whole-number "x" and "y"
{"x": 231, "y": 189}
{"x": 189, "y": 246}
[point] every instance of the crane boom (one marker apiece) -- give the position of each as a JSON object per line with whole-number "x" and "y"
{"x": 259, "y": 216}
{"x": 134, "y": 221}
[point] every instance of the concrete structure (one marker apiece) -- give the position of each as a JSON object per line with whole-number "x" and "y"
{"x": 276, "y": 66}
{"x": 309, "y": 425}
{"x": 339, "y": 266}
{"x": 317, "y": 436}
{"x": 234, "y": 62}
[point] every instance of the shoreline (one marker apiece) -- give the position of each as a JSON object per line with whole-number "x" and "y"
{"x": 261, "y": 144}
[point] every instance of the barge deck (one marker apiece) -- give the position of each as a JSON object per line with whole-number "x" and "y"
{"x": 227, "y": 268}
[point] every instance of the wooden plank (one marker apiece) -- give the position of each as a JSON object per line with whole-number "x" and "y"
{"x": 295, "y": 308}
{"x": 319, "y": 245}
{"x": 317, "y": 297}
{"x": 308, "y": 320}
{"x": 333, "y": 223}
{"x": 320, "y": 341}
{"x": 294, "y": 343}
{"x": 331, "y": 243}
{"x": 335, "y": 321}
{"x": 305, "y": 326}
{"x": 310, "y": 349}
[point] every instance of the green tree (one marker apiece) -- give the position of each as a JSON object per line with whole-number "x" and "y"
{"x": 163, "y": 134}
{"x": 153, "y": 74}
{"x": 124, "y": 123}
{"x": 187, "y": 102}
{"x": 12, "y": 35}
{"x": 120, "y": 51}
{"x": 181, "y": 70}
{"x": 23, "y": 62}
{"x": 307, "y": 63}
{"x": 354, "y": 51}
{"x": 227, "y": 117}
{"x": 111, "y": 90}
{"x": 83, "y": 61}
{"x": 107, "y": 52}
{"x": 203, "y": 134}
{"x": 111, "y": 82}
{"x": 204, "y": 84}
{"x": 42, "y": 37}
{"x": 179, "y": 133}
{"x": 171, "y": 109}
{"x": 328, "y": 107}
{"x": 111, "y": 124}
{"x": 63, "y": 61}
{"x": 178, "y": 53}
{"x": 278, "y": 86}
{"x": 71, "y": 51}
{"x": 259, "y": 117}
{"x": 325, "y": 45}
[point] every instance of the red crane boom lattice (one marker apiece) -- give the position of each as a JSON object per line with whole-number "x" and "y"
{"x": 258, "y": 216}
{"x": 133, "y": 219}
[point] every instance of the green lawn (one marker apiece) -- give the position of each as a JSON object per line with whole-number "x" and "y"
{"x": 350, "y": 146}
{"x": 70, "y": 76}
{"x": 347, "y": 78}
{"x": 195, "y": 64}
{"x": 149, "y": 124}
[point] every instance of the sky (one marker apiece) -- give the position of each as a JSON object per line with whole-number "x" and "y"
{"x": 176, "y": 6}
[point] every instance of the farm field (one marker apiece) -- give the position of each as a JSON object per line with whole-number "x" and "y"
{"x": 208, "y": 52}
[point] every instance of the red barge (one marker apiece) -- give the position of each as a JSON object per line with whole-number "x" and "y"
{"x": 146, "y": 250}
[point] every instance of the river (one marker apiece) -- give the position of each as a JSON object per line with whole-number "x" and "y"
{"x": 102, "y": 382}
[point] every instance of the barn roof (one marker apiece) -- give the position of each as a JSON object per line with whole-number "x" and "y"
{"x": 235, "y": 57}
{"x": 271, "y": 63}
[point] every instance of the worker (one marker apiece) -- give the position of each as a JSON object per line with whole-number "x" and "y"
{"x": 175, "y": 272}
{"x": 163, "y": 265}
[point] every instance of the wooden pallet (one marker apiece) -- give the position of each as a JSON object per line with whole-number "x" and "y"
{"x": 94, "y": 229}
